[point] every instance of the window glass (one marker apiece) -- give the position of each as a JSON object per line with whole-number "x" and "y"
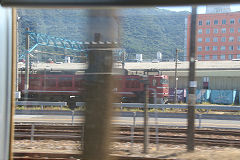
{"x": 215, "y": 21}
{"x": 200, "y": 31}
{"x": 199, "y": 39}
{"x": 215, "y": 48}
{"x": 223, "y": 30}
{"x": 199, "y": 57}
{"x": 230, "y": 48}
{"x": 223, "y": 48}
{"x": 214, "y": 57}
{"x": 224, "y": 21}
{"x": 232, "y": 21}
{"x": 215, "y": 39}
{"x": 199, "y": 48}
{"x": 163, "y": 81}
{"x": 207, "y": 57}
{"x": 200, "y": 23}
{"x": 208, "y": 31}
{"x": 238, "y": 38}
{"x": 238, "y": 56}
{"x": 223, "y": 39}
{"x": 215, "y": 30}
{"x": 238, "y": 47}
{"x": 208, "y": 22}
{"x": 230, "y": 56}
{"x": 231, "y": 39}
{"x": 207, "y": 39}
{"x": 207, "y": 48}
{"x": 231, "y": 30}
{"x": 222, "y": 57}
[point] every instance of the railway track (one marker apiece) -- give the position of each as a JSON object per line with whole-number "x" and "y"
{"x": 121, "y": 134}
{"x": 71, "y": 156}
{"x": 124, "y": 134}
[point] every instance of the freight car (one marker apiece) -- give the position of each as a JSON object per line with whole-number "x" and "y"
{"x": 65, "y": 86}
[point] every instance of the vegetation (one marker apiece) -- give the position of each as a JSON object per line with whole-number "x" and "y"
{"x": 143, "y": 31}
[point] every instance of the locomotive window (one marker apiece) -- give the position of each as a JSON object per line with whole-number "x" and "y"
{"x": 65, "y": 82}
{"x": 163, "y": 81}
{"x": 49, "y": 82}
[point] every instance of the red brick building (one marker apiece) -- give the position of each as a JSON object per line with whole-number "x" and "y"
{"x": 217, "y": 36}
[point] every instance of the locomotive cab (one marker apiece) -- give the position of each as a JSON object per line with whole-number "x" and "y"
{"x": 158, "y": 84}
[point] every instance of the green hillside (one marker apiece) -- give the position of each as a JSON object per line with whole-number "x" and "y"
{"x": 144, "y": 31}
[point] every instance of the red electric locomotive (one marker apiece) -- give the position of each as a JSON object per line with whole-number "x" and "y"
{"x": 64, "y": 86}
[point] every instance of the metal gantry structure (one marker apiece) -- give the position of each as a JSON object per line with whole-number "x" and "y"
{"x": 39, "y": 39}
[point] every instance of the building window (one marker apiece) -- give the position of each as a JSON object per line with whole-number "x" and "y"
{"x": 215, "y": 39}
{"x": 215, "y": 48}
{"x": 231, "y": 30}
{"x": 238, "y": 56}
{"x": 224, "y": 21}
{"x": 208, "y": 22}
{"x": 238, "y": 29}
{"x": 207, "y": 31}
{"x": 232, "y": 21}
{"x": 207, "y": 48}
{"x": 223, "y": 30}
{"x": 207, "y": 39}
{"x": 223, "y": 39}
{"x": 199, "y": 39}
{"x": 215, "y": 30}
{"x": 223, "y": 48}
{"x": 230, "y": 56}
{"x": 200, "y": 31}
{"x": 238, "y": 47}
{"x": 207, "y": 57}
{"x": 231, "y": 39}
{"x": 215, "y": 22}
{"x": 238, "y": 38}
{"x": 200, "y": 22}
{"x": 214, "y": 57}
{"x": 199, "y": 57}
{"x": 230, "y": 48}
{"x": 199, "y": 48}
{"x": 222, "y": 57}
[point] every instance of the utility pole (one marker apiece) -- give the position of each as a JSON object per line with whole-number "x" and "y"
{"x": 26, "y": 84}
{"x": 146, "y": 129}
{"x": 192, "y": 85}
{"x": 176, "y": 77}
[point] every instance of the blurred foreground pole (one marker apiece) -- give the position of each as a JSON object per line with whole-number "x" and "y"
{"x": 99, "y": 85}
{"x": 192, "y": 85}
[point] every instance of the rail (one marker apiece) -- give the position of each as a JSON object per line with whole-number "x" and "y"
{"x": 176, "y": 106}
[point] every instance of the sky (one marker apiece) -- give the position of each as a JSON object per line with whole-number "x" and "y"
{"x": 200, "y": 9}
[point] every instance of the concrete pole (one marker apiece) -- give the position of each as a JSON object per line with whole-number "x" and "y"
{"x": 146, "y": 128}
{"x": 26, "y": 82}
{"x": 192, "y": 85}
{"x": 99, "y": 86}
{"x": 176, "y": 77}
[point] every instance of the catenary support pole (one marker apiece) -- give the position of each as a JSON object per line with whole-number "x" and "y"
{"x": 26, "y": 82}
{"x": 176, "y": 77}
{"x": 146, "y": 129}
{"x": 192, "y": 85}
